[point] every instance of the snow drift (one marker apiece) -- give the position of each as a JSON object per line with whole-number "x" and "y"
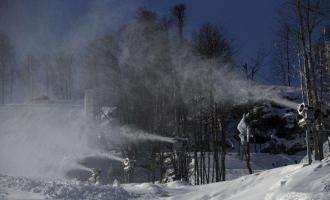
{"x": 286, "y": 183}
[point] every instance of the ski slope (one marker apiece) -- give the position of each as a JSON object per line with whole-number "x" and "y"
{"x": 292, "y": 182}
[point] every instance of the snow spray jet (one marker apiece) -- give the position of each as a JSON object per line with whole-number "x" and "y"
{"x": 273, "y": 94}
{"x": 134, "y": 134}
{"x": 77, "y": 163}
{"x": 113, "y": 134}
{"x": 139, "y": 135}
{"x": 283, "y": 102}
{"x": 113, "y": 157}
{"x": 230, "y": 87}
{"x": 106, "y": 155}
{"x": 79, "y": 166}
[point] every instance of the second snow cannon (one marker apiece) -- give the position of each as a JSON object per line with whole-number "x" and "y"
{"x": 128, "y": 166}
{"x": 306, "y": 114}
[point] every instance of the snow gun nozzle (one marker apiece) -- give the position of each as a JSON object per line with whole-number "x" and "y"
{"x": 307, "y": 114}
{"x": 301, "y": 108}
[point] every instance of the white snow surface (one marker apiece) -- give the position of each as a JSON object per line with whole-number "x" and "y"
{"x": 59, "y": 189}
{"x": 293, "y": 182}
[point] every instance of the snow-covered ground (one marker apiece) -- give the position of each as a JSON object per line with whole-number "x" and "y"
{"x": 38, "y": 154}
{"x": 292, "y": 182}
{"x": 58, "y": 189}
{"x": 236, "y": 167}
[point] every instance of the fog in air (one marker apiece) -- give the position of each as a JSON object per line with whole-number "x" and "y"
{"x": 135, "y": 99}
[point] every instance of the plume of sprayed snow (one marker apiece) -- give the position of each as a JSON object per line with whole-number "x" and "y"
{"x": 178, "y": 65}
{"x": 227, "y": 84}
{"x": 106, "y": 155}
{"x": 113, "y": 157}
{"x": 114, "y": 134}
{"x": 43, "y": 141}
{"x": 139, "y": 135}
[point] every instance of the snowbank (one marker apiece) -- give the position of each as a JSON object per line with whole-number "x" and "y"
{"x": 63, "y": 189}
{"x": 293, "y": 182}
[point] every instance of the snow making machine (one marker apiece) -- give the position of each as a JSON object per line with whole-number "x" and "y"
{"x": 306, "y": 115}
{"x": 306, "y": 118}
{"x": 128, "y": 167}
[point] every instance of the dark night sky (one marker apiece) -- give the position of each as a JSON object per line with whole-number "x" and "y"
{"x": 251, "y": 23}
{"x": 38, "y": 24}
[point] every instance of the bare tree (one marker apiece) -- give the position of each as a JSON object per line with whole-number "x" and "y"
{"x": 146, "y": 16}
{"x": 101, "y": 66}
{"x": 210, "y": 43}
{"x": 284, "y": 54}
{"x": 47, "y": 65}
{"x": 250, "y": 70}
{"x": 5, "y": 59}
{"x": 310, "y": 15}
{"x": 29, "y": 76}
{"x": 64, "y": 75}
{"x": 178, "y": 11}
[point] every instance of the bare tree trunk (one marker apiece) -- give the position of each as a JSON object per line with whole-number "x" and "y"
{"x": 223, "y": 149}
{"x": 208, "y": 166}
{"x": 308, "y": 68}
{"x": 3, "y": 83}
{"x": 306, "y": 63}
{"x": 248, "y": 157}
{"x": 287, "y": 48}
{"x": 302, "y": 76}
{"x": 215, "y": 144}
{"x": 196, "y": 156}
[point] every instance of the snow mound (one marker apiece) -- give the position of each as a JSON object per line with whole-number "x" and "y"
{"x": 64, "y": 189}
{"x": 286, "y": 183}
{"x": 293, "y": 182}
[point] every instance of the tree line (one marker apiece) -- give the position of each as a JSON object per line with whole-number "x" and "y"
{"x": 300, "y": 58}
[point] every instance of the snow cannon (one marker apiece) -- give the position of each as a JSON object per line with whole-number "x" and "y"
{"x": 95, "y": 176}
{"x": 306, "y": 114}
{"x": 128, "y": 165}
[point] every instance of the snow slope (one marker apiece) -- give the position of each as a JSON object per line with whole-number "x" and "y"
{"x": 236, "y": 167}
{"x": 293, "y": 182}
{"x": 9, "y": 194}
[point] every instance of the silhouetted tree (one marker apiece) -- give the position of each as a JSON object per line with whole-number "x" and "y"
{"x": 178, "y": 12}
{"x": 210, "y": 43}
{"x": 251, "y": 69}
{"x": 5, "y": 68}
